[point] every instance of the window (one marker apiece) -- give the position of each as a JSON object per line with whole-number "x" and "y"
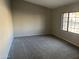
{"x": 71, "y": 22}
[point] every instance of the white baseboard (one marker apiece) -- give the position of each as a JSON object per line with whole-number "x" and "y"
{"x": 67, "y": 40}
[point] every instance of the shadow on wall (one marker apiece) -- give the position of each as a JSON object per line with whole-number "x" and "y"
{"x": 30, "y": 19}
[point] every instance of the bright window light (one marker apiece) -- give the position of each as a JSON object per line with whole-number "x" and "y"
{"x": 71, "y": 22}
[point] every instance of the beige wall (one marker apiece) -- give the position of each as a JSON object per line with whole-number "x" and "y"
{"x": 30, "y": 19}
{"x": 56, "y": 30}
{"x": 5, "y": 28}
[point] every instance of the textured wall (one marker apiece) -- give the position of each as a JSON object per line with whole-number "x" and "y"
{"x": 56, "y": 22}
{"x": 5, "y": 28}
{"x": 30, "y": 19}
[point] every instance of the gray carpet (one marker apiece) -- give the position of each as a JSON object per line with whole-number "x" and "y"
{"x": 42, "y": 47}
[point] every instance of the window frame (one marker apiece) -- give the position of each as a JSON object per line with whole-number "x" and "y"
{"x": 67, "y": 23}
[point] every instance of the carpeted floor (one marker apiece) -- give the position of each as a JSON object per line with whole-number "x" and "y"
{"x": 42, "y": 47}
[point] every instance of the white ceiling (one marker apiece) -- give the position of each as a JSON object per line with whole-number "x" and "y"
{"x": 52, "y": 3}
